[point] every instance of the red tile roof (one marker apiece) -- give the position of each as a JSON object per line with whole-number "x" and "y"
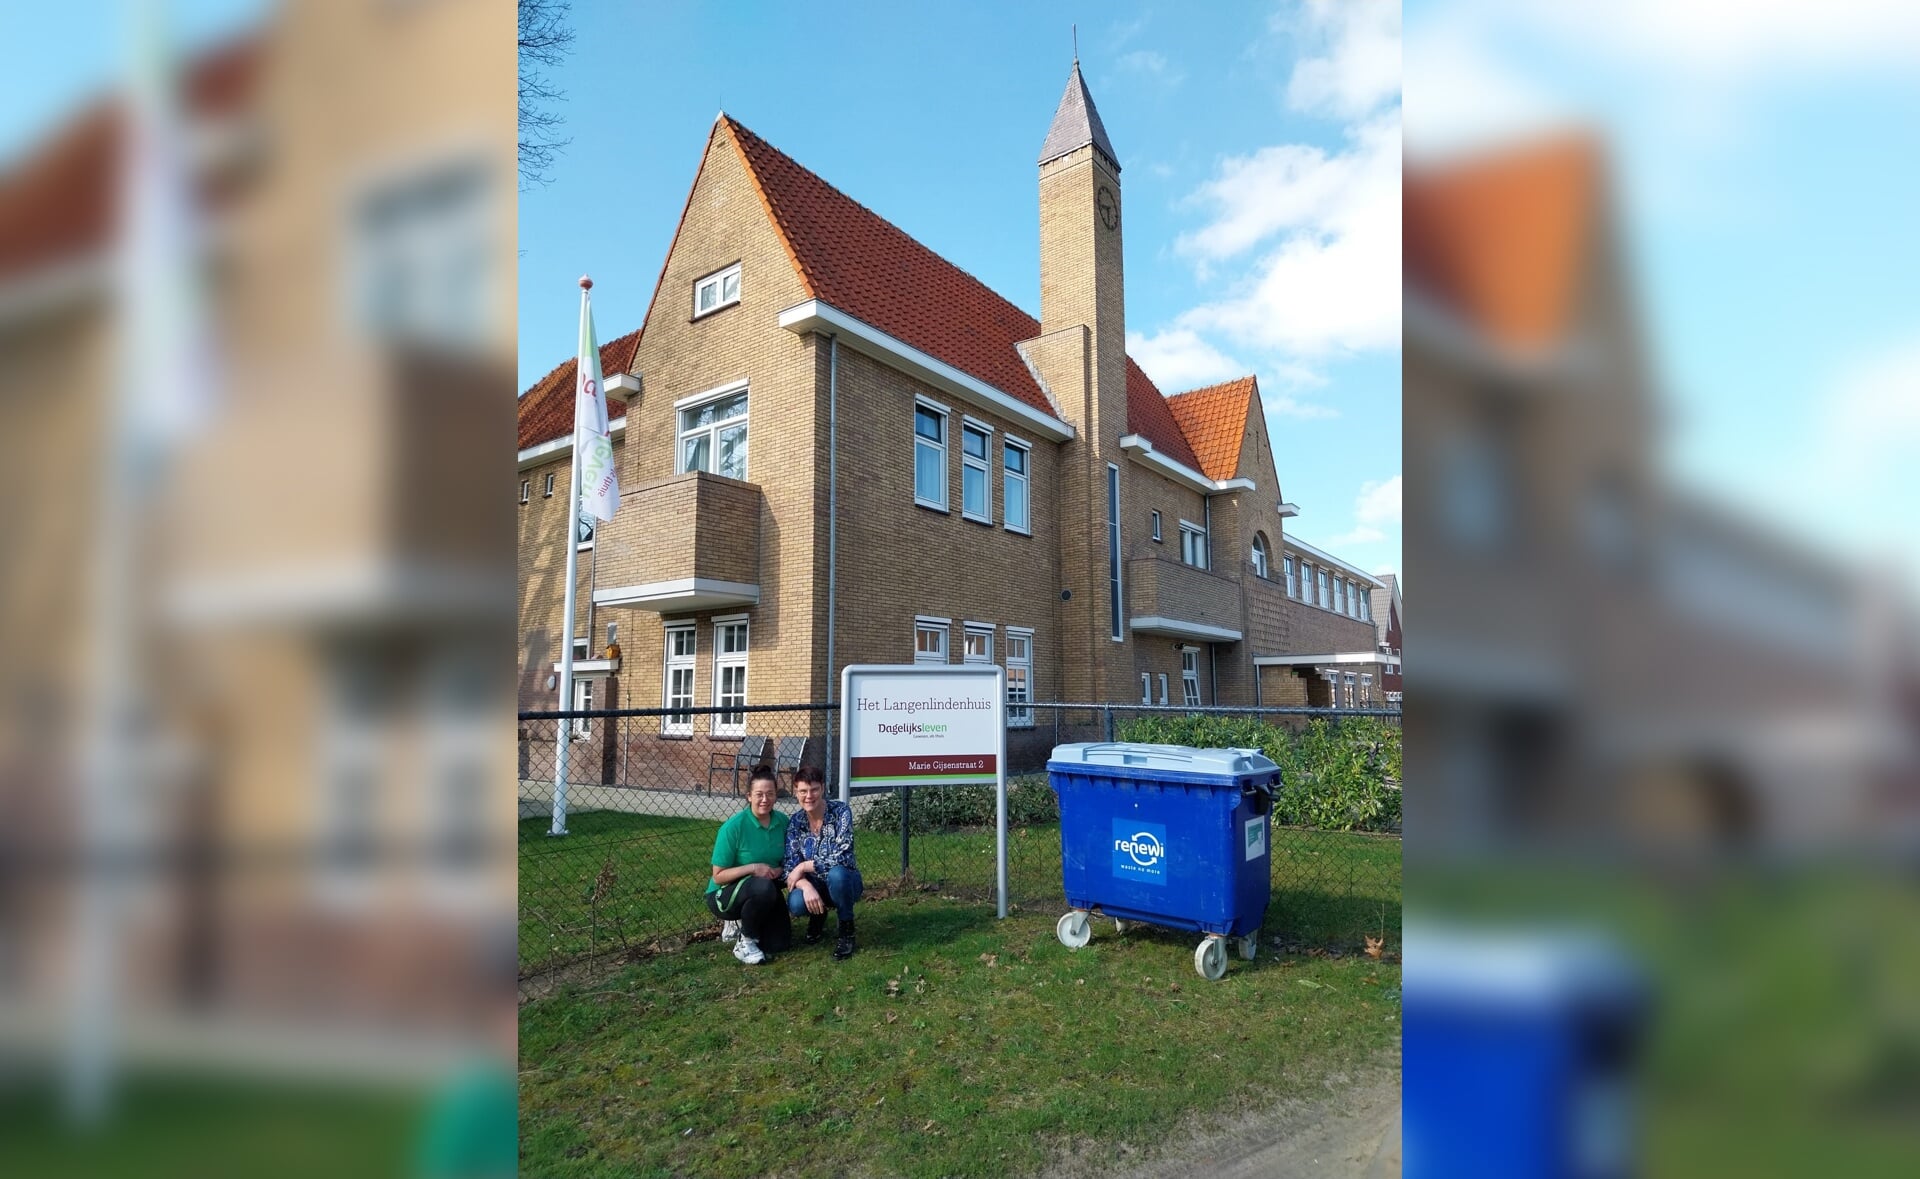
{"x": 546, "y": 410}
{"x": 1214, "y": 419}
{"x": 1502, "y": 239}
{"x": 856, "y": 261}
{"x": 1149, "y": 416}
{"x": 57, "y": 202}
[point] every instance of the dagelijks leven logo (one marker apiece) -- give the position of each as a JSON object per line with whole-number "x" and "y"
{"x": 1140, "y": 851}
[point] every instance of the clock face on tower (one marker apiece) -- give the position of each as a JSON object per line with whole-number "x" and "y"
{"x": 1109, "y": 208}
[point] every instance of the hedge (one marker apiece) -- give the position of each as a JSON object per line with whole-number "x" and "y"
{"x": 1339, "y": 775}
{"x": 1336, "y": 775}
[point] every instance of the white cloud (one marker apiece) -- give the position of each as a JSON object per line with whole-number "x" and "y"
{"x": 1151, "y": 64}
{"x": 1359, "y": 67}
{"x": 1375, "y": 509}
{"x": 1177, "y": 359}
{"x": 1329, "y": 280}
{"x": 1378, "y": 502}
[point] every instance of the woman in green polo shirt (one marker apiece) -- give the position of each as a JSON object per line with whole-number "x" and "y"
{"x": 744, "y": 890}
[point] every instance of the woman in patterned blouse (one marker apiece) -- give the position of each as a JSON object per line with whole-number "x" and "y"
{"x": 819, "y": 862}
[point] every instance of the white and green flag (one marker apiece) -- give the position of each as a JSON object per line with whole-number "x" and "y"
{"x": 599, "y": 485}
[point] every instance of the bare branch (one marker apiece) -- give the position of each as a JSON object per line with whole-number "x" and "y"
{"x": 545, "y": 41}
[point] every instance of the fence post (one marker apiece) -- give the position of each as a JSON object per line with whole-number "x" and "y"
{"x": 906, "y": 837}
{"x": 1107, "y": 711}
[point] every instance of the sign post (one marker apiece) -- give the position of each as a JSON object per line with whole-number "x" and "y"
{"x": 926, "y": 725}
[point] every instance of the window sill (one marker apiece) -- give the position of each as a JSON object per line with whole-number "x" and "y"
{"x": 931, "y": 507}
{"x": 1018, "y": 531}
{"x": 977, "y": 519}
{"x": 676, "y": 736}
{"x": 710, "y": 312}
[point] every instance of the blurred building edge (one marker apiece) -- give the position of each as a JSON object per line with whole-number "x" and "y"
{"x": 330, "y": 574}
{"x": 1610, "y": 658}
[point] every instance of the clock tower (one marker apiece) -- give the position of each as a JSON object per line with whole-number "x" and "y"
{"x": 1080, "y": 357}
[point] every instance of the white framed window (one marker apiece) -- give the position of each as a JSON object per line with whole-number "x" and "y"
{"x": 717, "y": 290}
{"x": 978, "y": 643}
{"x": 930, "y": 640}
{"x": 1114, "y": 585}
{"x": 1016, "y": 504}
{"x": 1339, "y": 594}
{"x": 582, "y": 702}
{"x": 1190, "y": 677}
{"x": 1146, "y": 688}
{"x": 583, "y": 529}
{"x": 547, "y": 491}
{"x": 930, "y": 455}
{"x": 1156, "y": 527}
{"x": 526, "y": 490}
{"x": 1350, "y": 680}
{"x": 713, "y": 435}
{"x": 1293, "y": 587}
{"x": 1325, "y": 594}
{"x": 1019, "y": 678}
{"x": 730, "y": 676}
{"x": 677, "y": 683}
{"x": 1366, "y": 607}
{"x": 976, "y": 498}
{"x": 1163, "y": 688}
{"x": 1366, "y": 689}
{"x": 1193, "y": 545}
{"x": 1259, "y": 555}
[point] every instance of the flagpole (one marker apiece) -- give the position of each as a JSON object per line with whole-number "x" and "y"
{"x": 564, "y": 737}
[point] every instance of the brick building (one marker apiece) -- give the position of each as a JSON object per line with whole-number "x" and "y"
{"x": 1385, "y": 608}
{"x": 837, "y": 447}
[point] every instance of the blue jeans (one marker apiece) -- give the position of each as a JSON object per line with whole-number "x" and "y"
{"x": 841, "y": 890}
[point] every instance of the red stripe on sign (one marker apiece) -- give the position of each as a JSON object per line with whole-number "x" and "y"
{"x": 897, "y": 767}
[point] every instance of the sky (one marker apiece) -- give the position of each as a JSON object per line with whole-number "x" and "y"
{"x": 1766, "y": 176}
{"x": 1260, "y": 151}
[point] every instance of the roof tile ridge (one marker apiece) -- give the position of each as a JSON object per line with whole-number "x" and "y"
{"x": 734, "y": 128}
{"x": 904, "y": 235}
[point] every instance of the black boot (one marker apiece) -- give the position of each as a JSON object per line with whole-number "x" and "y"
{"x": 816, "y": 925}
{"x": 843, "y": 946}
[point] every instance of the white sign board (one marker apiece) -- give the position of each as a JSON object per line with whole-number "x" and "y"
{"x": 926, "y": 724}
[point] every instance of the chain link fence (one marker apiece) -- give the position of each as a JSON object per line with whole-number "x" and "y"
{"x": 648, "y": 788}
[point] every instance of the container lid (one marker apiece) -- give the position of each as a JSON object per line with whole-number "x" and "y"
{"x": 1177, "y": 758}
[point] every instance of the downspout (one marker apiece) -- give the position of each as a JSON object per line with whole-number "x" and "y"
{"x": 833, "y": 529}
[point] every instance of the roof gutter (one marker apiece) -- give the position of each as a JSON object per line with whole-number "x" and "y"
{"x": 562, "y": 446}
{"x": 1142, "y": 452}
{"x": 816, "y": 316}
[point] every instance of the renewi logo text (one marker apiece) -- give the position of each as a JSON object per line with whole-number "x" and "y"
{"x": 1140, "y": 851}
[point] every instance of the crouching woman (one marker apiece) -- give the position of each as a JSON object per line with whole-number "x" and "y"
{"x": 819, "y": 865}
{"x": 744, "y": 891}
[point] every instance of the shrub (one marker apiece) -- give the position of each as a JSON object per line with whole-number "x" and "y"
{"x": 1337, "y": 775}
{"x": 1030, "y": 803}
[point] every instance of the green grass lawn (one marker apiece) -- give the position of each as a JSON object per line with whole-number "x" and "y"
{"x": 1330, "y": 888}
{"x": 952, "y": 1044}
{"x": 175, "y": 1128}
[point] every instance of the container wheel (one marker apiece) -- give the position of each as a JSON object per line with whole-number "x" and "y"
{"x": 1074, "y": 930}
{"x": 1210, "y": 959}
{"x": 1248, "y": 945}
{"x": 1120, "y": 925}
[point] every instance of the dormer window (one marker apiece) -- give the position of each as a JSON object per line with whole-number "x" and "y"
{"x": 716, "y": 291}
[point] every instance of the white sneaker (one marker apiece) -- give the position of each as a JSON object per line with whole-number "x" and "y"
{"x": 729, "y": 930}
{"x": 748, "y": 951}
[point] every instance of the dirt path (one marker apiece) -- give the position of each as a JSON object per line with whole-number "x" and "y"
{"x": 1351, "y": 1133}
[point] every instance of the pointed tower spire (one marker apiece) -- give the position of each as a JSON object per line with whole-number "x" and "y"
{"x": 1076, "y": 124}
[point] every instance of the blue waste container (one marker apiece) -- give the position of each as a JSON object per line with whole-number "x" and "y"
{"x": 1518, "y": 1051}
{"x": 1166, "y": 835}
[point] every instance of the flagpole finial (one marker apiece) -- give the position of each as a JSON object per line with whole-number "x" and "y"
{"x": 586, "y": 284}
